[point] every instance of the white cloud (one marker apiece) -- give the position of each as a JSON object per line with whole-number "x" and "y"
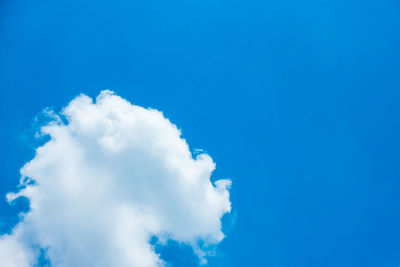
{"x": 108, "y": 180}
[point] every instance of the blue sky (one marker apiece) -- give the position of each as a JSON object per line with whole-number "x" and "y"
{"x": 297, "y": 102}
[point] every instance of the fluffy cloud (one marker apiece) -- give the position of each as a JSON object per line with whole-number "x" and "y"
{"x": 108, "y": 180}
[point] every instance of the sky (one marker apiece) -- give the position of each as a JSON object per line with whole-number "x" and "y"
{"x": 296, "y": 102}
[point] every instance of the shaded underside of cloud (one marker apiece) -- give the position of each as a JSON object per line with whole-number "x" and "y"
{"x": 111, "y": 177}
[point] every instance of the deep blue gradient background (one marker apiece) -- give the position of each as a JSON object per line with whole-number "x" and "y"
{"x": 296, "y": 101}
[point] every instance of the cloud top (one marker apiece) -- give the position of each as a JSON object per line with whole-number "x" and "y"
{"x": 108, "y": 180}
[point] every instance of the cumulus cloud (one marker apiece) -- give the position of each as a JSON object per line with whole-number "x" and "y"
{"x": 111, "y": 177}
